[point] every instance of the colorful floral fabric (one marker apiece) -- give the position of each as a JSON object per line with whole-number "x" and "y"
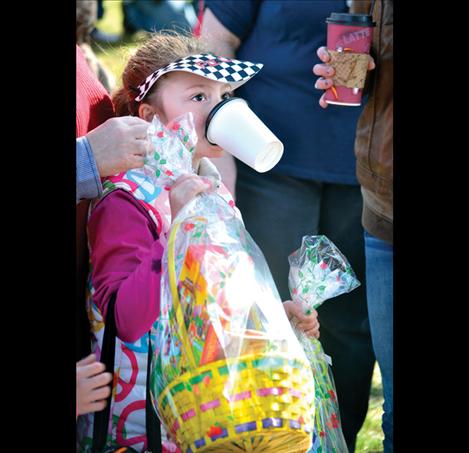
{"x": 127, "y": 423}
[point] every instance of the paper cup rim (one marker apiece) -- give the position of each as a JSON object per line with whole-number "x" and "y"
{"x": 215, "y": 110}
{"x": 271, "y": 163}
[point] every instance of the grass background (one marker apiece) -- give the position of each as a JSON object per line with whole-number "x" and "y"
{"x": 114, "y": 57}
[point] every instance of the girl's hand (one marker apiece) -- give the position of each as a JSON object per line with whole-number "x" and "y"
{"x": 92, "y": 385}
{"x": 308, "y": 323}
{"x": 184, "y": 190}
{"x": 327, "y": 72}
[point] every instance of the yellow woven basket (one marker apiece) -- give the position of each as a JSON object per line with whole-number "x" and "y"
{"x": 268, "y": 407}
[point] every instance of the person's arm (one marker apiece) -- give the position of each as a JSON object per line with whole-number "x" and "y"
{"x": 235, "y": 17}
{"x": 117, "y": 145}
{"x": 224, "y": 43}
{"x": 88, "y": 184}
{"x": 126, "y": 256}
{"x": 126, "y": 260}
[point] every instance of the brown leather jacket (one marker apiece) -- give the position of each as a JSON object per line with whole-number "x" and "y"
{"x": 374, "y": 139}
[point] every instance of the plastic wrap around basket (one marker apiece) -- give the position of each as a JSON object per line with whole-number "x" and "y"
{"x": 260, "y": 399}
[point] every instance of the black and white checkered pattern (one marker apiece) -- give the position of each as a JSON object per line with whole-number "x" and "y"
{"x": 219, "y": 69}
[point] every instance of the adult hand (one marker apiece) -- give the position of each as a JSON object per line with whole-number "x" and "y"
{"x": 308, "y": 323}
{"x": 184, "y": 190}
{"x": 92, "y": 385}
{"x": 326, "y": 72}
{"x": 119, "y": 144}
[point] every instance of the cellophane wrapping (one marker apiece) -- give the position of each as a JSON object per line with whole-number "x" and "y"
{"x": 319, "y": 271}
{"x": 228, "y": 372}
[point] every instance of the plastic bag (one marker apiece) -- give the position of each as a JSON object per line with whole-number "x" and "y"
{"x": 319, "y": 271}
{"x": 228, "y": 371}
{"x": 173, "y": 147}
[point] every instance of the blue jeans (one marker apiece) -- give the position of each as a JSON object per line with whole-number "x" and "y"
{"x": 379, "y": 282}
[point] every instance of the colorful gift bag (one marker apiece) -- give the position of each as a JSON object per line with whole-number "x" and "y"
{"x": 319, "y": 271}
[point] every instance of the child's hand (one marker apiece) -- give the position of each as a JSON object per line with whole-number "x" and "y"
{"x": 92, "y": 385}
{"x": 308, "y": 323}
{"x": 184, "y": 190}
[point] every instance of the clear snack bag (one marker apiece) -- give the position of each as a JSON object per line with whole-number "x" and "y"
{"x": 319, "y": 271}
{"x": 228, "y": 373}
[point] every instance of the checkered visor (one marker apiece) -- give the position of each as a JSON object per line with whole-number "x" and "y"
{"x": 219, "y": 69}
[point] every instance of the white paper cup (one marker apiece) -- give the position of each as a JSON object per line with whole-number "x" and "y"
{"x": 233, "y": 126}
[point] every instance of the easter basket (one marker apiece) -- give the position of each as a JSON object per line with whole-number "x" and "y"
{"x": 229, "y": 375}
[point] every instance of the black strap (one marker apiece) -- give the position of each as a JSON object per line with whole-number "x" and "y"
{"x": 101, "y": 418}
{"x": 151, "y": 419}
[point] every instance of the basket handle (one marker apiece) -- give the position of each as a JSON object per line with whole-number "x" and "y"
{"x": 174, "y": 293}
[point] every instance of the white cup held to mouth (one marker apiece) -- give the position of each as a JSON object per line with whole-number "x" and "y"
{"x": 233, "y": 126}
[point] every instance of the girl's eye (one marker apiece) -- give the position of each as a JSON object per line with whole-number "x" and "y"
{"x": 227, "y": 95}
{"x": 199, "y": 97}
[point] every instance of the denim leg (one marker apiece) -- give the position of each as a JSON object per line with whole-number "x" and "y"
{"x": 379, "y": 275}
{"x": 277, "y": 211}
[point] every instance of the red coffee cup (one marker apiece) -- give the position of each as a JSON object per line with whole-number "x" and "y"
{"x": 349, "y": 34}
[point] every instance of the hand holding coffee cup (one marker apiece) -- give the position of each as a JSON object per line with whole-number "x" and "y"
{"x": 349, "y": 39}
{"x": 233, "y": 126}
{"x": 326, "y": 72}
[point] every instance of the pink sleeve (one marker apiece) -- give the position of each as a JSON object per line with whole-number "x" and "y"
{"x": 126, "y": 257}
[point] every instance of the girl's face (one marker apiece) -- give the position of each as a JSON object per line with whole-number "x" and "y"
{"x": 183, "y": 92}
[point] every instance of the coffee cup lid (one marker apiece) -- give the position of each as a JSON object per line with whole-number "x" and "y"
{"x": 359, "y": 20}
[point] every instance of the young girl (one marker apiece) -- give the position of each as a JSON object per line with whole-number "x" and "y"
{"x": 168, "y": 76}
